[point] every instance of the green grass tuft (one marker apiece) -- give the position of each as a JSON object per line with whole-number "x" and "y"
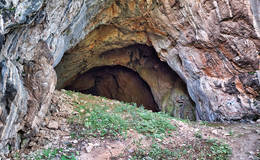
{"x": 50, "y": 154}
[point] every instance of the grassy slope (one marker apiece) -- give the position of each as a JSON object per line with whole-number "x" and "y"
{"x": 103, "y": 118}
{"x": 100, "y": 118}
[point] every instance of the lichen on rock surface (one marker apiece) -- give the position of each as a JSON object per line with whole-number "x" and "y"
{"x": 212, "y": 45}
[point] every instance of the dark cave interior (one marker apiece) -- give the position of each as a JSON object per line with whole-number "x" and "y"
{"x": 130, "y": 74}
{"x": 116, "y": 82}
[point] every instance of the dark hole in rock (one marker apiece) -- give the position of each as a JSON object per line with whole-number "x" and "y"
{"x": 130, "y": 74}
{"x": 116, "y": 82}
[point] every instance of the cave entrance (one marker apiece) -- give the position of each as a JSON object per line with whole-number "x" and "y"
{"x": 131, "y": 74}
{"x": 116, "y": 82}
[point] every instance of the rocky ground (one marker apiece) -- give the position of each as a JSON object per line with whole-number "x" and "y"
{"x": 67, "y": 135}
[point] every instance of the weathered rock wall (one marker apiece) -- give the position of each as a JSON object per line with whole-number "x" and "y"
{"x": 213, "y": 45}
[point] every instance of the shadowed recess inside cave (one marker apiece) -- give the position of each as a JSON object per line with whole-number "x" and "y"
{"x": 116, "y": 82}
{"x": 129, "y": 74}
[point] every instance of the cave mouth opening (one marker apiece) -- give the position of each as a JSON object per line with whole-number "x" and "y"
{"x": 130, "y": 74}
{"x": 116, "y": 82}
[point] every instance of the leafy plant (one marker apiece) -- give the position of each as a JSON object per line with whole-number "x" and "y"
{"x": 69, "y": 93}
{"x": 155, "y": 152}
{"x": 156, "y": 125}
{"x": 98, "y": 122}
{"x": 198, "y": 135}
{"x": 203, "y": 150}
{"x": 205, "y": 123}
{"x": 50, "y": 154}
{"x": 219, "y": 151}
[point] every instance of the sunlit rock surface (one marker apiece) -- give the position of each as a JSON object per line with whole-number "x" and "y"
{"x": 212, "y": 45}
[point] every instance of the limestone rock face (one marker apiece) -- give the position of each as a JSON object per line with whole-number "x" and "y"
{"x": 212, "y": 45}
